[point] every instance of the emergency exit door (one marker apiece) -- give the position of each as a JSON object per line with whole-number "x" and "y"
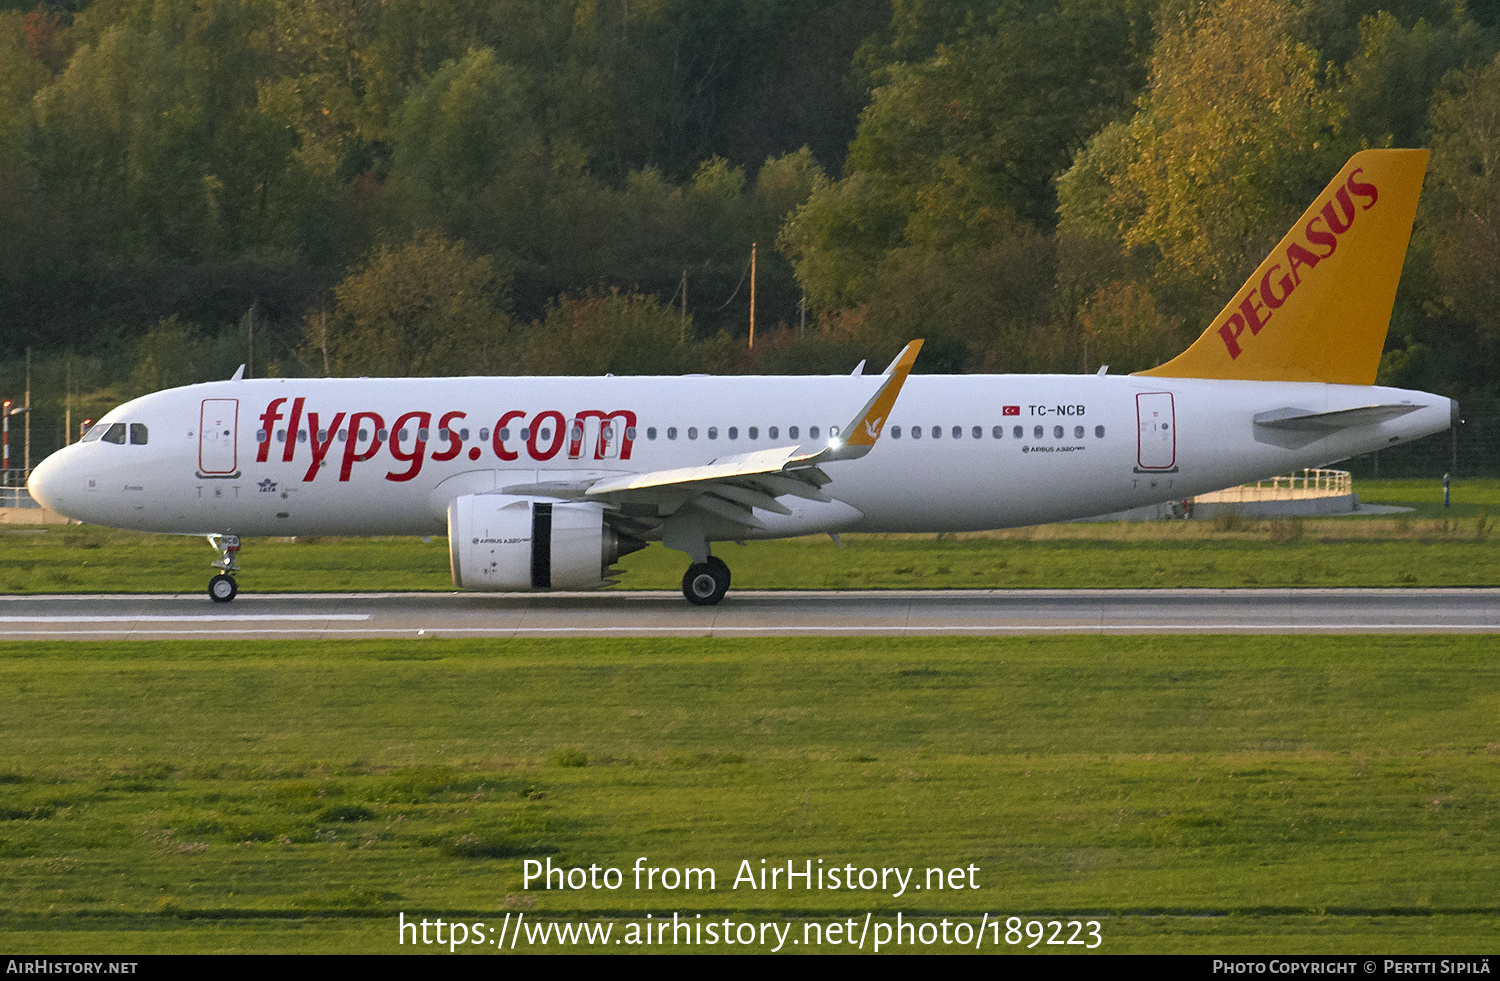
{"x": 217, "y": 430}
{"x": 1157, "y": 418}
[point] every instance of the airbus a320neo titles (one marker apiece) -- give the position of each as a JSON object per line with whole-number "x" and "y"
{"x": 543, "y": 483}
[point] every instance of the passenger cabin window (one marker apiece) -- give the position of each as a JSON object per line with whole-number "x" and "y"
{"x": 999, "y": 432}
{"x": 775, "y": 434}
{"x": 138, "y": 434}
{"x": 895, "y": 432}
{"x": 115, "y": 434}
{"x": 1018, "y": 432}
{"x": 791, "y": 432}
{"x": 1098, "y": 432}
{"x": 812, "y": 432}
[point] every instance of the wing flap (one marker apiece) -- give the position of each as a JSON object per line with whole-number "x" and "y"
{"x": 723, "y": 468}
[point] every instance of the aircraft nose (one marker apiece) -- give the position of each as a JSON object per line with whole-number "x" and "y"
{"x": 46, "y": 483}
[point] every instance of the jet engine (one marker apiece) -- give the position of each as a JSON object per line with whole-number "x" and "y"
{"x": 502, "y": 543}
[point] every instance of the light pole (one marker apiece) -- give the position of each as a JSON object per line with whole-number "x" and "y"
{"x": 6, "y": 411}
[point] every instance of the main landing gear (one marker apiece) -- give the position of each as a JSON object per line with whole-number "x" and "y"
{"x": 222, "y": 587}
{"x": 706, "y": 582}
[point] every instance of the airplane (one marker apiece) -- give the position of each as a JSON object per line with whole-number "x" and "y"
{"x": 542, "y": 483}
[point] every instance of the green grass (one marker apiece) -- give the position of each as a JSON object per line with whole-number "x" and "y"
{"x": 1431, "y": 547}
{"x": 1470, "y": 497}
{"x": 1192, "y": 793}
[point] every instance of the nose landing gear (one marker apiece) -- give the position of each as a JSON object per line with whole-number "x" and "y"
{"x": 222, "y": 588}
{"x": 706, "y": 582}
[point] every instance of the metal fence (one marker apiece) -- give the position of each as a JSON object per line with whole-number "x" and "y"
{"x": 13, "y": 493}
{"x": 1300, "y": 485}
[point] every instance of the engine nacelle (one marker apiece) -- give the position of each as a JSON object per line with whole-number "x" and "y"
{"x": 502, "y": 543}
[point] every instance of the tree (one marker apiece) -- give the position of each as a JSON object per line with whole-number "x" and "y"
{"x": 1465, "y": 203}
{"x": 457, "y": 131}
{"x": 1237, "y": 132}
{"x": 957, "y": 153}
{"x": 426, "y": 308}
{"x": 623, "y": 333}
{"x": 1390, "y": 80}
{"x": 174, "y": 353}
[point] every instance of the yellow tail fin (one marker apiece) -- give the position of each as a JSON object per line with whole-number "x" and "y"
{"x": 1318, "y": 307}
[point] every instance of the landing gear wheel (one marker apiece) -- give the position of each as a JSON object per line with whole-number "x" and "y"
{"x": 721, "y": 568}
{"x": 222, "y": 588}
{"x": 705, "y": 583}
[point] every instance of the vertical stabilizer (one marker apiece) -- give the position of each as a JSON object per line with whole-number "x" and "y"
{"x": 1318, "y": 307}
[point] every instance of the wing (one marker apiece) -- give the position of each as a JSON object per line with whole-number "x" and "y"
{"x": 731, "y": 486}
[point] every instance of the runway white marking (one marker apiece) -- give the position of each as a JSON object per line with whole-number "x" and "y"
{"x": 198, "y": 618}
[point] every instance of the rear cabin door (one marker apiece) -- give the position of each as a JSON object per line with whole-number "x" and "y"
{"x": 217, "y": 431}
{"x": 1157, "y": 418}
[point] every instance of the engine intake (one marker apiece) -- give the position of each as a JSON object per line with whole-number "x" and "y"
{"x": 501, "y": 543}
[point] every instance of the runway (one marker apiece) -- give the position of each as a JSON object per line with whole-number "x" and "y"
{"x": 893, "y": 613}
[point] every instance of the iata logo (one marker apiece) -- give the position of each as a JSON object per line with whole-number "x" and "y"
{"x": 364, "y": 434}
{"x": 1261, "y": 302}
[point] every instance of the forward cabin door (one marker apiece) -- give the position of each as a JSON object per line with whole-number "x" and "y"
{"x": 1157, "y": 419}
{"x": 217, "y": 435}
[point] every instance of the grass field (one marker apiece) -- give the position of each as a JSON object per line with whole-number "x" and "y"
{"x": 1430, "y": 547}
{"x": 1190, "y": 793}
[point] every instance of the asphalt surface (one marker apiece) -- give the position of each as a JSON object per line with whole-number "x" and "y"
{"x": 898, "y": 613}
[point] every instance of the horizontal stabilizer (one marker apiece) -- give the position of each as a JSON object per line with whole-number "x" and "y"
{"x": 1303, "y": 420}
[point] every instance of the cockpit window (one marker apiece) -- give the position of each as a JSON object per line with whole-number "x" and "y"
{"x": 138, "y": 433}
{"x": 115, "y": 433}
{"x": 94, "y": 432}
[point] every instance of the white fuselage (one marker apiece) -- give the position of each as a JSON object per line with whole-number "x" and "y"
{"x": 275, "y": 456}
